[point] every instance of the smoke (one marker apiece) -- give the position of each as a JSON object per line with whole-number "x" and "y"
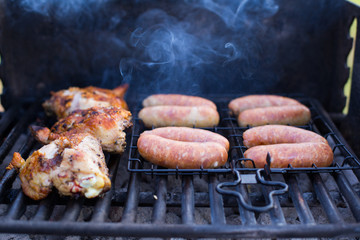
{"x": 191, "y": 48}
{"x": 167, "y": 45}
{"x": 188, "y": 46}
{"x": 237, "y": 14}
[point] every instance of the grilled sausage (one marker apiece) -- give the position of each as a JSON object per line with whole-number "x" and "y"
{"x": 276, "y": 134}
{"x": 176, "y": 100}
{"x": 162, "y": 110}
{"x": 183, "y": 148}
{"x": 259, "y": 101}
{"x": 187, "y": 116}
{"x": 293, "y": 114}
{"x": 257, "y": 110}
{"x": 298, "y": 155}
{"x": 286, "y": 145}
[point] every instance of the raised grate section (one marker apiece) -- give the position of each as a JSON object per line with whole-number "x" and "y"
{"x": 228, "y": 127}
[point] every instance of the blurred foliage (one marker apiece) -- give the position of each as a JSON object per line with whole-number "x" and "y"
{"x": 350, "y": 61}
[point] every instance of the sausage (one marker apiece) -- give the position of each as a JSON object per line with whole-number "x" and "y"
{"x": 186, "y": 134}
{"x": 188, "y": 116}
{"x": 259, "y": 101}
{"x": 298, "y": 155}
{"x": 183, "y": 148}
{"x": 276, "y": 134}
{"x": 257, "y": 110}
{"x": 293, "y": 115}
{"x": 161, "y": 110}
{"x": 286, "y": 145}
{"x": 176, "y": 100}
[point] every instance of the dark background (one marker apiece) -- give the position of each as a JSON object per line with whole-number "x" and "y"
{"x": 191, "y": 47}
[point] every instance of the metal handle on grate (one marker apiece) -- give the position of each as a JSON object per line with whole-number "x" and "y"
{"x": 259, "y": 178}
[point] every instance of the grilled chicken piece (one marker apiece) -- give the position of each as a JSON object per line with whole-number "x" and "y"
{"x": 75, "y": 165}
{"x": 107, "y": 124}
{"x": 64, "y": 102}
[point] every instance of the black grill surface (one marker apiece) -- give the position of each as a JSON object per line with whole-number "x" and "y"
{"x": 184, "y": 193}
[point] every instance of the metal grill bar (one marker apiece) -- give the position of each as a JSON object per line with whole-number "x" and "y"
{"x": 276, "y": 213}
{"x": 132, "y": 200}
{"x": 300, "y": 203}
{"x": 202, "y": 199}
{"x": 7, "y": 181}
{"x": 8, "y": 118}
{"x": 17, "y": 130}
{"x": 351, "y": 197}
{"x": 72, "y": 210}
{"x": 45, "y": 208}
{"x": 102, "y": 206}
{"x": 247, "y": 217}
{"x": 325, "y": 199}
{"x": 184, "y": 230}
{"x": 216, "y": 202}
{"x": 187, "y": 200}
{"x": 17, "y": 208}
{"x": 27, "y": 145}
{"x": 159, "y": 211}
{"x": 10, "y": 175}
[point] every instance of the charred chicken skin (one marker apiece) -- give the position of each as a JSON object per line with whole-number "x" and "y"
{"x": 74, "y": 164}
{"x": 107, "y": 124}
{"x": 64, "y": 102}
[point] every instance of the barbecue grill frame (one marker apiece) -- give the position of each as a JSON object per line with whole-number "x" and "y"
{"x": 68, "y": 225}
{"x": 127, "y": 226}
{"x": 185, "y": 230}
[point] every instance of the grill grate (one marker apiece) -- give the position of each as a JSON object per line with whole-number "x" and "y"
{"x": 229, "y": 128}
{"x": 195, "y": 191}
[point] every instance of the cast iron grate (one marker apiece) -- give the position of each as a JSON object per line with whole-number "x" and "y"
{"x": 228, "y": 127}
{"x": 57, "y": 215}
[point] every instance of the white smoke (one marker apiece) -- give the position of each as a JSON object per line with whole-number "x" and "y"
{"x": 179, "y": 49}
{"x": 185, "y": 46}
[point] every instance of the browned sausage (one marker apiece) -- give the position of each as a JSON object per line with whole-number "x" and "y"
{"x": 259, "y": 101}
{"x": 257, "y": 110}
{"x": 275, "y": 134}
{"x": 176, "y": 100}
{"x": 186, "y": 134}
{"x": 293, "y": 115}
{"x": 298, "y": 155}
{"x": 187, "y": 116}
{"x": 286, "y": 145}
{"x": 163, "y": 110}
{"x": 185, "y": 148}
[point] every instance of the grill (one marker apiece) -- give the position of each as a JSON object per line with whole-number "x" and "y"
{"x": 215, "y": 49}
{"x": 252, "y": 195}
{"x": 228, "y": 127}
